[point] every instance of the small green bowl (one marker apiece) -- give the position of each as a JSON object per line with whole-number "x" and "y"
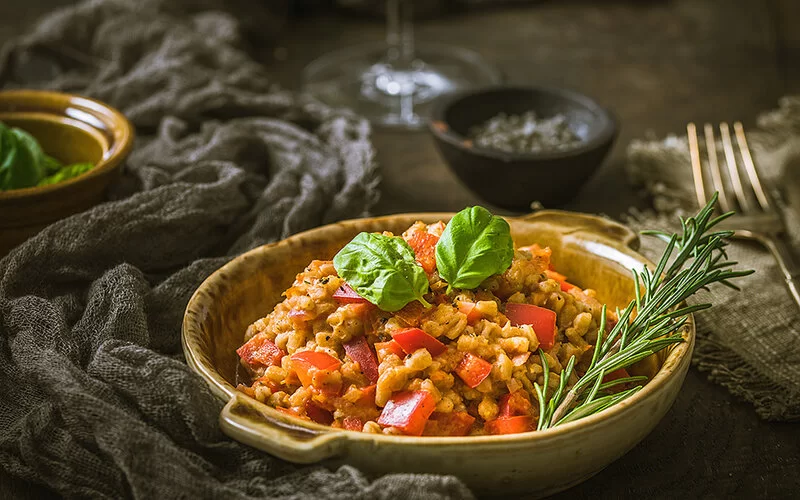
{"x": 71, "y": 129}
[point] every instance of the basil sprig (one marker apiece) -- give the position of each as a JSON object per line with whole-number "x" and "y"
{"x": 474, "y": 245}
{"x": 23, "y": 164}
{"x": 383, "y": 270}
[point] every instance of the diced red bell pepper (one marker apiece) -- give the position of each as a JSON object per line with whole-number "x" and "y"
{"x": 412, "y": 339}
{"x": 515, "y": 404}
{"x": 359, "y": 351}
{"x": 542, "y": 320}
{"x": 473, "y": 370}
{"x": 562, "y": 280}
{"x": 352, "y": 423}
{"x": 467, "y": 307}
{"x": 408, "y": 411}
{"x": 367, "y": 396}
{"x": 449, "y": 424}
{"x": 618, "y": 373}
{"x": 318, "y": 414}
{"x": 346, "y": 295}
{"x": 424, "y": 245}
{"x": 509, "y": 425}
{"x": 305, "y": 362}
{"x": 392, "y": 346}
{"x": 260, "y": 352}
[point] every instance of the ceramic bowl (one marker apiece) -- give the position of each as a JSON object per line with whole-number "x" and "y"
{"x": 592, "y": 251}
{"x": 71, "y": 129}
{"x": 515, "y": 180}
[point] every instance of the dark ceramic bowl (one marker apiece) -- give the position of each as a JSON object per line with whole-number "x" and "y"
{"x": 515, "y": 180}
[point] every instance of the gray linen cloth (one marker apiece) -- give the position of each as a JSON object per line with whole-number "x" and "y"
{"x": 95, "y": 399}
{"x": 749, "y": 341}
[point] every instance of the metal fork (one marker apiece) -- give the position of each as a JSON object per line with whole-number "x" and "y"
{"x": 757, "y": 216}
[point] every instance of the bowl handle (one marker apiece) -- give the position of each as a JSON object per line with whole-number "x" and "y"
{"x": 573, "y": 222}
{"x": 250, "y": 422}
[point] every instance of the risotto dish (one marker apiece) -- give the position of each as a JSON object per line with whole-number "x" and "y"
{"x": 440, "y": 331}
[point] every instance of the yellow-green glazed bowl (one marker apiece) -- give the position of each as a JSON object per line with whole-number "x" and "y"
{"x": 71, "y": 129}
{"x": 593, "y": 252}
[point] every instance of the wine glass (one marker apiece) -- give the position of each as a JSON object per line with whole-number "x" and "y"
{"x": 393, "y": 85}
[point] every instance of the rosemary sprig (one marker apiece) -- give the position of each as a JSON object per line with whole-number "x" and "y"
{"x": 691, "y": 261}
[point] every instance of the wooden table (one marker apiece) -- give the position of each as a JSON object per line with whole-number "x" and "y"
{"x": 657, "y": 64}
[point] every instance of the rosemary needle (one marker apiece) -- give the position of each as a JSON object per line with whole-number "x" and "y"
{"x": 691, "y": 261}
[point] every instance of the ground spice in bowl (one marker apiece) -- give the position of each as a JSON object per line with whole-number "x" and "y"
{"x": 525, "y": 133}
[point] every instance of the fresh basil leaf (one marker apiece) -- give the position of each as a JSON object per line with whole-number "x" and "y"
{"x": 474, "y": 245}
{"x": 21, "y": 159}
{"x": 383, "y": 270}
{"x": 67, "y": 172}
{"x": 51, "y": 165}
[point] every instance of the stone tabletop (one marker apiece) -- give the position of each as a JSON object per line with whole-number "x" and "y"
{"x": 658, "y": 65}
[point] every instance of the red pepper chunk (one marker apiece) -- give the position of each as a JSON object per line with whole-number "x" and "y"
{"x": 515, "y": 404}
{"x": 408, "y": 411}
{"x": 562, "y": 280}
{"x": 358, "y": 350}
{"x": 306, "y": 362}
{"x": 473, "y": 370}
{"x": 352, "y": 423}
{"x": 318, "y": 414}
{"x": 424, "y": 245}
{"x": 467, "y": 307}
{"x": 509, "y": 425}
{"x": 542, "y": 320}
{"x": 457, "y": 423}
{"x": 346, "y": 295}
{"x": 412, "y": 339}
{"x": 618, "y": 373}
{"x": 392, "y": 347}
{"x": 260, "y": 352}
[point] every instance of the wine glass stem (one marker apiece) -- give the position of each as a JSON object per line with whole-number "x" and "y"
{"x": 400, "y": 33}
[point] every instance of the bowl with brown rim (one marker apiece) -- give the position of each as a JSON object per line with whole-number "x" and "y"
{"x": 71, "y": 129}
{"x": 594, "y": 252}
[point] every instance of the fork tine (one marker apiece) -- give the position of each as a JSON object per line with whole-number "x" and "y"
{"x": 733, "y": 170}
{"x": 697, "y": 167}
{"x": 750, "y": 167}
{"x": 716, "y": 174}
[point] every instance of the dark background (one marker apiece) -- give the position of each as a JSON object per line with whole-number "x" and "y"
{"x": 658, "y": 65}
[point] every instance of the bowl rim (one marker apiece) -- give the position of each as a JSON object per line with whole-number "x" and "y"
{"x": 675, "y": 359}
{"x": 120, "y": 134}
{"x": 442, "y": 130}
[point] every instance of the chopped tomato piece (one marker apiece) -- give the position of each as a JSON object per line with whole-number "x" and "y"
{"x": 424, "y": 245}
{"x": 300, "y": 317}
{"x": 515, "y": 404}
{"x": 412, "y": 339}
{"x": 352, "y": 423}
{"x": 521, "y": 359}
{"x": 367, "y": 395}
{"x": 457, "y": 423}
{"x": 359, "y": 351}
{"x": 473, "y": 370}
{"x": 618, "y": 373}
{"x": 509, "y": 425}
{"x": 408, "y": 411}
{"x": 562, "y": 280}
{"x": 318, "y": 414}
{"x": 542, "y": 320}
{"x": 391, "y": 346}
{"x": 411, "y": 313}
{"x": 467, "y": 307}
{"x": 260, "y": 352}
{"x": 346, "y": 295}
{"x": 305, "y": 362}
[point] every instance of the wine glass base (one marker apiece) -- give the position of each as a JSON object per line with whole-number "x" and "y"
{"x": 361, "y": 78}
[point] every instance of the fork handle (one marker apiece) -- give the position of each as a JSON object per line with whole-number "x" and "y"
{"x": 791, "y": 272}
